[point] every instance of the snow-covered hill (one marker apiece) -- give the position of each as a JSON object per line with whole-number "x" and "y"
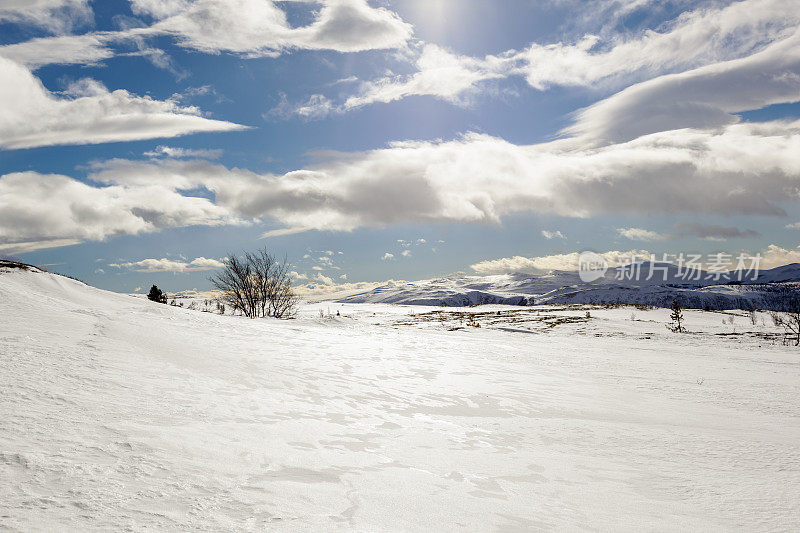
{"x": 562, "y": 287}
{"x": 117, "y": 413}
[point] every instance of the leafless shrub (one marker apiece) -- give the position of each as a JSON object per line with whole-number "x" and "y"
{"x": 785, "y": 302}
{"x": 790, "y": 322}
{"x": 256, "y": 285}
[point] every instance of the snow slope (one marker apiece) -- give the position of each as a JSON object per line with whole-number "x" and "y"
{"x": 563, "y": 287}
{"x": 121, "y": 414}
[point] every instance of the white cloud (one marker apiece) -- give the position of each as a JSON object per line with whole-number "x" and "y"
{"x": 406, "y": 253}
{"x": 169, "y": 151}
{"x": 774, "y": 256}
{"x": 296, "y": 275}
{"x": 55, "y": 16}
{"x": 30, "y": 246}
{"x": 317, "y": 106}
{"x": 158, "y": 8}
{"x": 45, "y": 210}
{"x": 320, "y": 289}
{"x": 771, "y": 257}
{"x": 251, "y": 28}
{"x": 64, "y": 49}
{"x": 170, "y": 265}
{"x": 706, "y": 36}
{"x": 260, "y": 27}
{"x": 695, "y": 38}
{"x": 283, "y": 232}
{"x": 566, "y": 261}
{"x": 33, "y": 116}
{"x": 325, "y": 280}
{"x": 90, "y": 49}
{"x": 743, "y": 169}
{"x": 387, "y": 257}
{"x": 639, "y": 234}
{"x": 705, "y": 97}
{"x": 440, "y": 73}
{"x": 550, "y": 235}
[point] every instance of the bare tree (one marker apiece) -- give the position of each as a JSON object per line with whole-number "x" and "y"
{"x": 262, "y": 265}
{"x": 235, "y": 286}
{"x": 790, "y": 322}
{"x": 281, "y": 297}
{"x": 256, "y": 285}
{"x": 784, "y": 303}
{"x": 752, "y": 316}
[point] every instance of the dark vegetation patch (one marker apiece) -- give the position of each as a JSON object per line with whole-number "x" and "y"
{"x": 509, "y": 319}
{"x": 5, "y": 263}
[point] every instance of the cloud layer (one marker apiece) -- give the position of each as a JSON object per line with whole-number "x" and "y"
{"x": 706, "y": 37}
{"x": 565, "y": 261}
{"x": 55, "y": 16}
{"x": 743, "y": 169}
{"x": 669, "y": 143}
{"x": 170, "y": 265}
{"x": 702, "y": 98}
{"x": 33, "y": 116}
{"x": 260, "y": 27}
{"x": 43, "y": 210}
{"x": 772, "y": 256}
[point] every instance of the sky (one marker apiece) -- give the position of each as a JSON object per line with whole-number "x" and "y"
{"x": 143, "y": 141}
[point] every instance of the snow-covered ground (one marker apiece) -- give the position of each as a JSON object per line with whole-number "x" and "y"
{"x": 117, "y": 413}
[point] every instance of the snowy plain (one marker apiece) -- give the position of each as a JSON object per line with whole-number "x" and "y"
{"x": 117, "y": 413}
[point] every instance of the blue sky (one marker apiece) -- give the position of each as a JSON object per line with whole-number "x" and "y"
{"x": 143, "y": 141}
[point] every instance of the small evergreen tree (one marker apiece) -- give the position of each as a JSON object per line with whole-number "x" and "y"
{"x": 156, "y": 295}
{"x": 677, "y": 317}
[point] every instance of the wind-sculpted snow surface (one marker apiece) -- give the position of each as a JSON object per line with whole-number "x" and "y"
{"x": 121, "y": 414}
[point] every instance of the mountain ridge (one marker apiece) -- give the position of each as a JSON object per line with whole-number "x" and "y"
{"x": 702, "y": 289}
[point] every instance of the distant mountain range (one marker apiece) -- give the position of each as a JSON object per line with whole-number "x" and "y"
{"x": 656, "y": 284}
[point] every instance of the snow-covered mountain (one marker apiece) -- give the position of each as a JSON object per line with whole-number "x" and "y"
{"x": 644, "y": 284}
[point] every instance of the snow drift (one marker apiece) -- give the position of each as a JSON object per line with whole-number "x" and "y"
{"x": 121, "y": 414}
